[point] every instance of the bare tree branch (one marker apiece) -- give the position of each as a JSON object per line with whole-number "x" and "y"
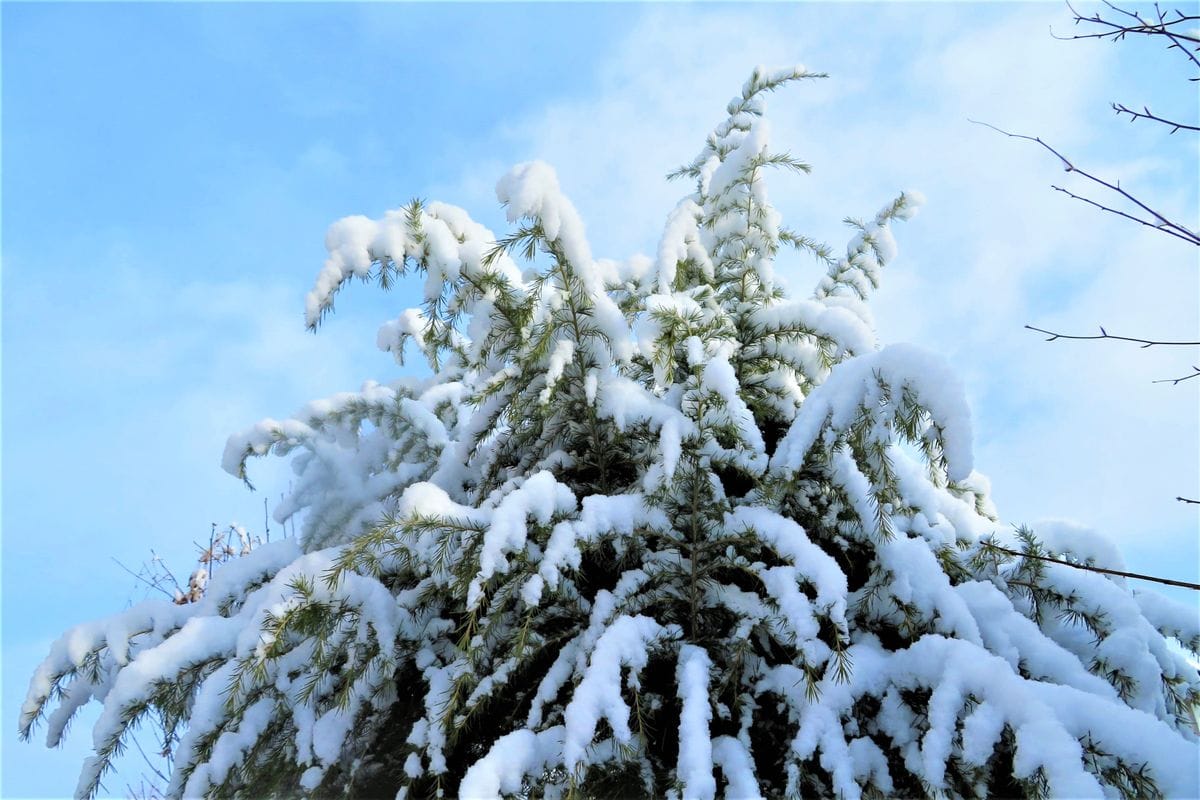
{"x": 1161, "y": 26}
{"x": 1181, "y": 33}
{"x": 153, "y": 767}
{"x": 1163, "y": 224}
{"x": 1119, "y": 213}
{"x": 1144, "y": 343}
{"x": 152, "y": 584}
{"x": 1175, "y": 381}
{"x": 1068, "y": 166}
{"x": 1145, "y": 114}
{"x": 155, "y": 558}
{"x": 1104, "y": 570}
{"x": 1106, "y": 335}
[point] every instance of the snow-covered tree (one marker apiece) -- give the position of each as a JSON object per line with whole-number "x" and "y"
{"x": 649, "y": 528}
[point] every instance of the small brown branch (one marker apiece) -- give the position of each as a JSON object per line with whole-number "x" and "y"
{"x": 156, "y": 559}
{"x": 1103, "y": 570}
{"x": 1163, "y": 224}
{"x": 143, "y": 578}
{"x": 1106, "y": 335}
{"x": 1188, "y": 500}
{"x": 1145, "y": 113}
{"x": 1175, "y": 381}
{"x": 212, "y": 565}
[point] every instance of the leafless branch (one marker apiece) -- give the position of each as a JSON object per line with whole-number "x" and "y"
{"x": 1195, "y": 373}
{"x": 1188, "y": 237}
{"x": 1052, "y": 335}
{"x": 1120, "y": 108}
{"x": 153, "y": 767}
{"x": 1116, "y": 30}
{"x": 1161, "y": 224}
{"x": 152, "y": 584}
{"x": 156, "y": 559}
{"x": 1103, "y": 570}
{"x": 1188, "y": 500}
{"x": 1106, "y": 335}
{"x": 212, "y": 541}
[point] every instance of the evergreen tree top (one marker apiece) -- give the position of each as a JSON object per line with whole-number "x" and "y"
{"x": 649, "y": 528}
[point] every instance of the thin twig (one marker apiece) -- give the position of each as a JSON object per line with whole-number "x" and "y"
{"x": 1089, "y": 568}
{"x": 1145, "y": 113}
{"x": 1119, "y": 213}
{"x": 1106, "y": 335}
{"x": 1175, "y": 381}
{"x": 1118, "y": 31}
{"x": 1188, "y": 500}
{"x": 149, "y": 763}
{"x": 154, "y": 557}
{"x": 212, "y": 557}
{"x": 1165, "y": 225}
{"x": 142, "y": 578}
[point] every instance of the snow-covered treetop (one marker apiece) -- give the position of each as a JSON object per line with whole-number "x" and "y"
{"x": 649, "y": 527}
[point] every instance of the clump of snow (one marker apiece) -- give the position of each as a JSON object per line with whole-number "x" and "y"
{"x": 884, "y": 384}
{"x": 510, "y": 760}
{"x": 624, "y": 644}
{"x": 695, "y": 743}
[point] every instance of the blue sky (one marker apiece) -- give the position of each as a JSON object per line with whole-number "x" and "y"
{"x": 169, "y": 171}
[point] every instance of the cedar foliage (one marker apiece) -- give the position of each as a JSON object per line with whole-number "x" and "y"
{"x": 649, "y": 528}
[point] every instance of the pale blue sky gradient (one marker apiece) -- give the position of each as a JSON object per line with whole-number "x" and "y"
{"x": 169, "y": 171}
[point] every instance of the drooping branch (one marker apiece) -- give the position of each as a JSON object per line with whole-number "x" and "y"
{"x": 1145, "y": 113}
{"x": 1159, "y": 221}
